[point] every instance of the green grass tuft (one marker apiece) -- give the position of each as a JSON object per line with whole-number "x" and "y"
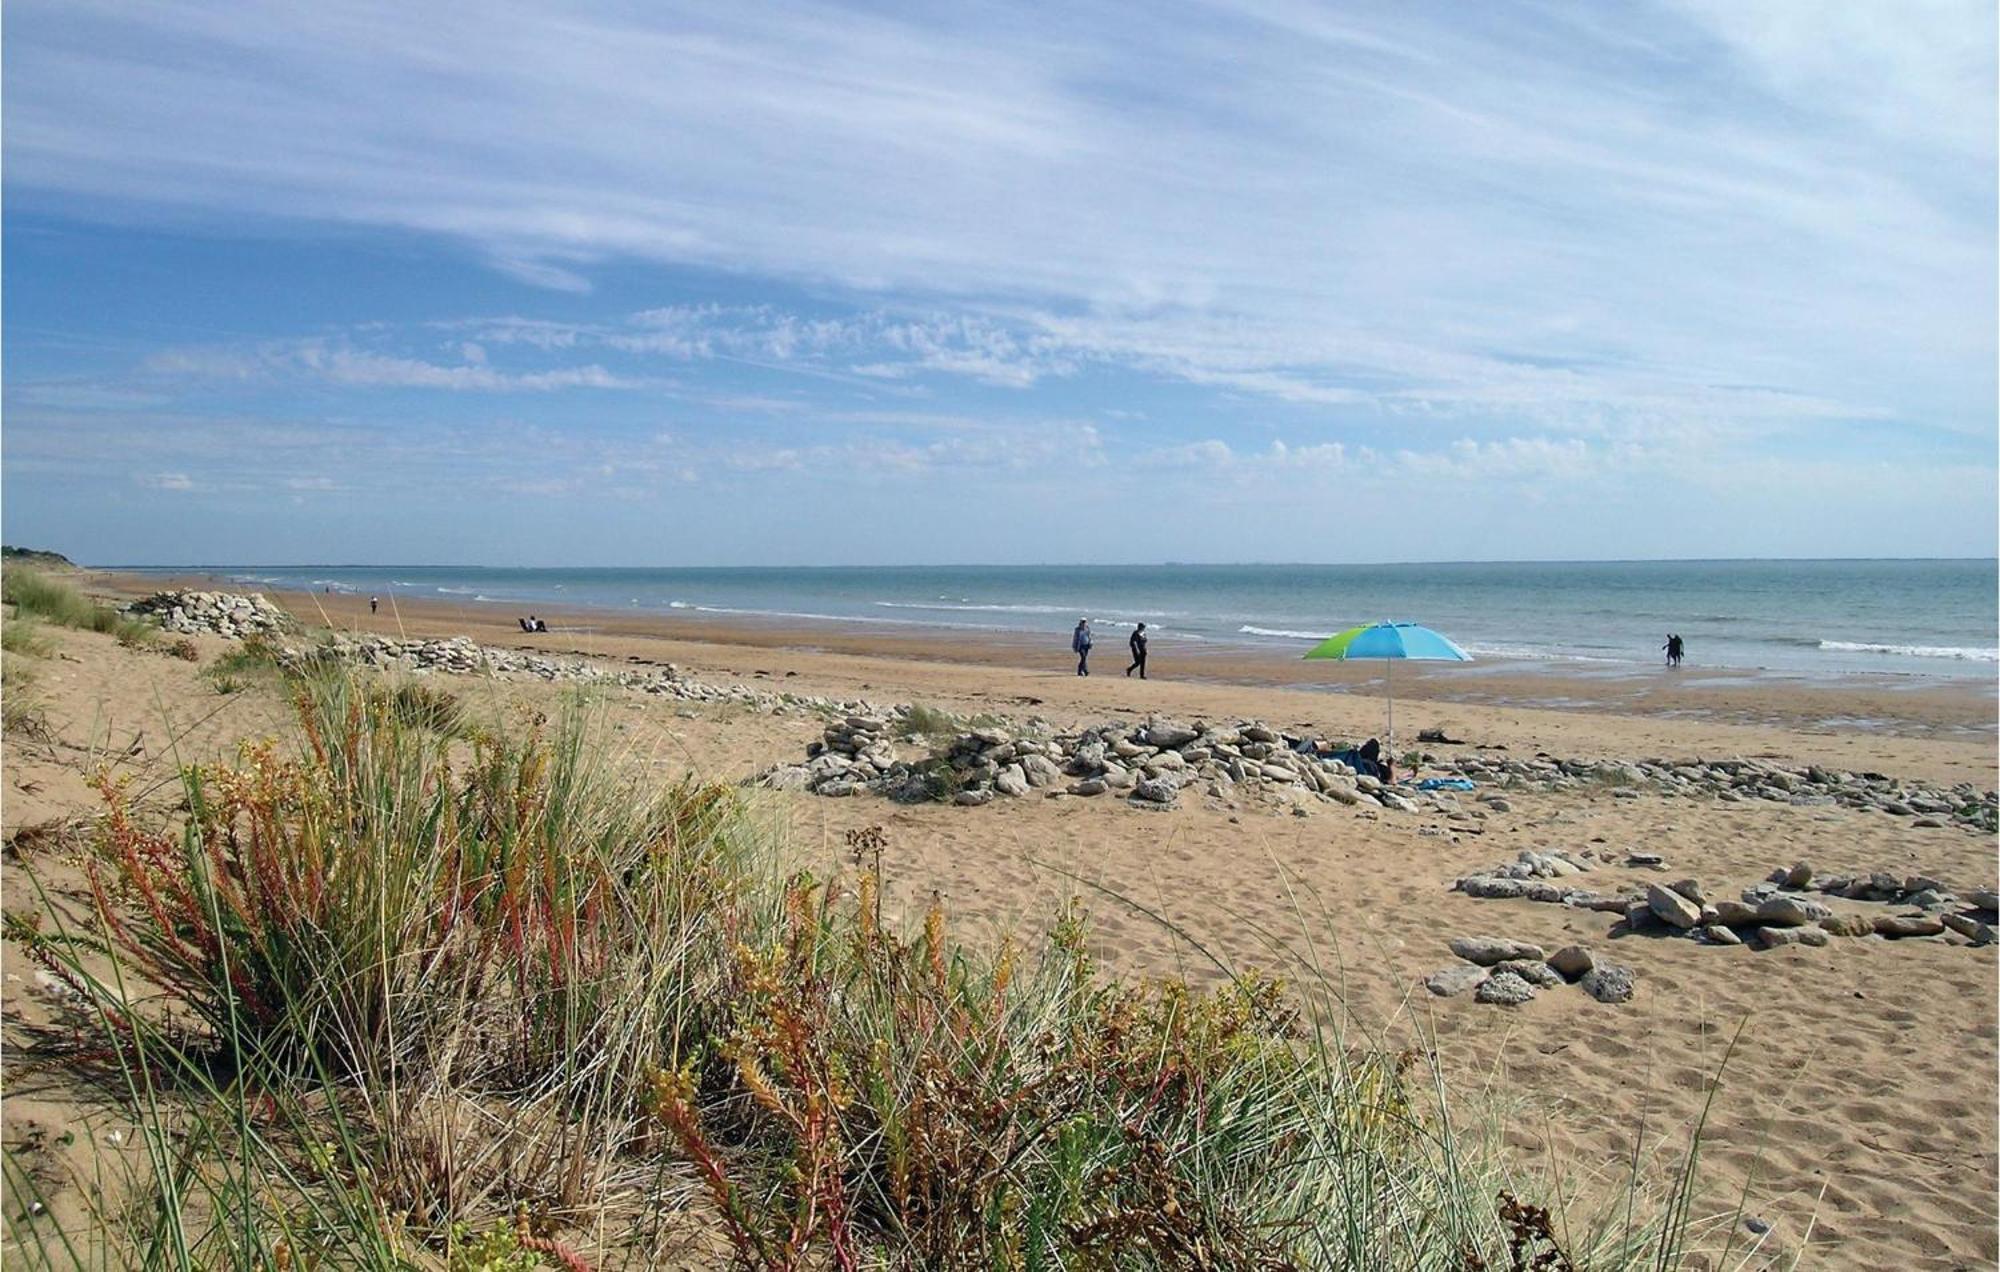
{"x": 33, "y": 593}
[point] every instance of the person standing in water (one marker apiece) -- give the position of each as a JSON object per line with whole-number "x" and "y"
{"x": 1079, "y": 643}
{"x": 1138, "y": 643}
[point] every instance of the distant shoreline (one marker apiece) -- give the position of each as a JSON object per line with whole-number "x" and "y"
{"x": 1883, "y": 704}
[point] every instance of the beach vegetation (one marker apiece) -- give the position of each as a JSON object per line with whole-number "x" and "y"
{"x": 21, "y": 710}
{"x": 22, "y": 635}
{"x": 57, "y": 601}
{"x": 386, "y": 994}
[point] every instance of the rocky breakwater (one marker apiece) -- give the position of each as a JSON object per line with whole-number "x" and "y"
{"x": 1738, "y": 779}
{"x": 461, "y": 656}
{"x": 1150, "y": 765}
{"x": 230, "y": 615}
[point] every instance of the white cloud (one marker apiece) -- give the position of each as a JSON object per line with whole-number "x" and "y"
{"x": 164, "y": 481}
{"x": 1544, "y": 212}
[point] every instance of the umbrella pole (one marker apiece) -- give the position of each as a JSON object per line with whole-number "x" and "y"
{"x": 1389, "y": 677}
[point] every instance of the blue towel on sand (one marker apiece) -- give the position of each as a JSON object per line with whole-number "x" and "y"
{"x": 1445, "y": 784}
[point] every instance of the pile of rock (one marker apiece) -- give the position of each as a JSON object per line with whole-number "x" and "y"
{"x": 1736, "y": 780}
{"x": 1510, "y": 973}
{"x": 231, "y": 615}
{"x": 1772, "y": 913}
{"x": 1150, "y": 764}
{"x": 461, "y": 656}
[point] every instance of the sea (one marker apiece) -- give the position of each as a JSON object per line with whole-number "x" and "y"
{"x": 1928, "y": 618}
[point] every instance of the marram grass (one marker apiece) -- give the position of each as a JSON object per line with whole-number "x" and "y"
{"x": 397, "y": 995}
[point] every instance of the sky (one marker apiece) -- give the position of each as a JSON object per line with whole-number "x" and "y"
{"x": 520, "y": 282}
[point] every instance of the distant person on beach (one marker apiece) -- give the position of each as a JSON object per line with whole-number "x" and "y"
{"x": 1079, "y": 643}
{"x": 1138, "y": 643}
{"x": 1673, "y": 648}
{"x": 541, "y": 624}
{"x": 372, "y": 603}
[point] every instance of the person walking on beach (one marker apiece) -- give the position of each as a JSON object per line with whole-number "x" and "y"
{"x": 1138, "y": 643}
{"x": 1673, "y": 648}
{"x": 372, "y": 603}
{"x": 1079, "y": 642}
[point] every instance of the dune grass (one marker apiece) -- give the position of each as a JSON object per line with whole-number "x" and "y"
{"x": 52, "y": 600}
{"x": 400, "y": 996}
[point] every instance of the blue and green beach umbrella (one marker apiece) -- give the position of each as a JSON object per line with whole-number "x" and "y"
{"x": 1390, "y": 641}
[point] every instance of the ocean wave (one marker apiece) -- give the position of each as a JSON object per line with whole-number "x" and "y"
{"x": 975, "y": 608}
{"x": 459, "y": 591}
{"x": 1962, "y": 653}
{"x": 1535, "y": 654}
{"x": 1248, "y": 630}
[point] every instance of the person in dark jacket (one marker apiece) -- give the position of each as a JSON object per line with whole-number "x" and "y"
{"x": 1079, "y": 643}
{"x": 1138, "y": 643}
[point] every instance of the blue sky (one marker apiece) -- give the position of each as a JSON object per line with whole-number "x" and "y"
{"x": 640, "y": 283}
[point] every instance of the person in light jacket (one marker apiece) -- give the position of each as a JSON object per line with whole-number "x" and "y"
{"x": 1079, "y": 642}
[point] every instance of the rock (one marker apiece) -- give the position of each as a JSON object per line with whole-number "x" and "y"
{"x": 1901, "y": 925}
{"x": 1848, "y": 924}
{"x": 1572, "y": 961}
{"x": 1400, "y": 803}
{"x": 1970, "y": 928}
{"x": 1040, "y": 770}
{"x": 1488, "y": 950}
{"x": 1773, "y": 937}
{"x": 1735, "y": 914}
{"x": 1490, "y": 889}
{"x": 1167, "y": 733}
{"x": 1608, "y": 983}
{"x": 791, "y": 777}
{"x": 1717, "y": 934}
{"x": 973, "y": 799}
{"x": 1690, "y": 889}
{"x": 1790, "y": 912}
{"x": 1652, "y": 859}
{"x": 1799, "y": 876}
{"x": 1535, "y": 972}
{"x": 1504, "y": 988}
{"x": 1671, "y": 907}
{"x": 1155, "y": 790}
{"x": 1453, "y": 981}
{"x": 1088, "y": 786}
{"x": 1984, "y": 900}
{"x": 1011, "y": 781}
{"x": 1276, "y": 773}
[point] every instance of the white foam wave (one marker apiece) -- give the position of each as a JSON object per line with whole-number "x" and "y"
{"x": 1288, "y": 634}
{"x": 459, "y": 591}
{"x": 1960, "y": 652}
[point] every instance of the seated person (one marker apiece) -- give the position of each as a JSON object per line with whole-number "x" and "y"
{"x": 526, "y": 625}
{"x": 541, "y": 624}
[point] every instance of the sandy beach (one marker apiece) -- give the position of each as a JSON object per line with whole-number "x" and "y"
{"x": 1853, "y": 1119}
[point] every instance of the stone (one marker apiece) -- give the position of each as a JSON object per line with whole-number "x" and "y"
{"x": 1774, "y": 937}
{"x": 1717, "y": 934}
{"x": 1400, "y": 803}
{"x": 1984, "y": 899}
{"x": 1848, "y": 924}
{"x": 1041, "y": 770}
{"x": 1453, "y": 981}
{"x": 973, "y": 799}
{"x": 1735, "y": 914}
{"x": 1690, "y": 889}
{"x": 1671, "y": 907}
{"x": 1154, "y": 790}
{"x": 1088, "y": 786}
{"x": 1799, "y": 876}
{"x": 1276, "y": 773}
{"x": 1011, "y": 781}
{"x": 1504, "y": 988}
{"x": 1968, "y": 927}
{"x": 1652, "y": 859}
{"x": 1790, "y": 912}
{"x": 1533, "y": 971}
{"x": 1608, "y": 983}
{"x": 1488, "y": 950}
{"x": 1901, "y": 925}
{"x": 1572, "y": 961}
{"x": 1490, "y": 889}
{"x": 1167, "y": 733}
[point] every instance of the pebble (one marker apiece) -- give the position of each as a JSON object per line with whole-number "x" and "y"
{"x": 1453, "y": 981}
{"x": 1504, "y": 988}
{"x": 1489, "y": 950}
{"x": 1609, "y": 983}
